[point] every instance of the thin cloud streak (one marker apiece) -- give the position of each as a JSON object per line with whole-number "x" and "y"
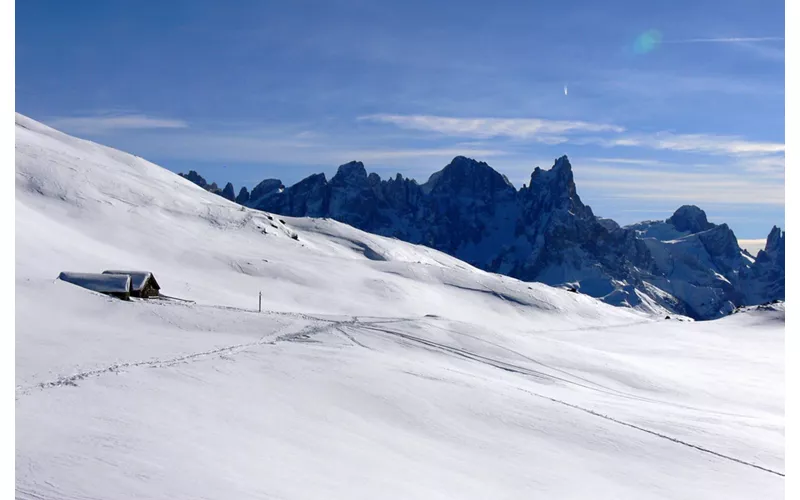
{"x": 726, "y": 188}
{"x": 107, "y": 124}
{"x": 382, "y": 155}
{"x": 557, "y": 132}
{"x": 537, "y": 129}
{"x": 664, "y": 86}
{"x": 264, "y": 148}
{"x": 691, "y": 143}
{"x": 772, "y": 167}
{"x": 631, "y": 161}
{"x": 728, "y": 40}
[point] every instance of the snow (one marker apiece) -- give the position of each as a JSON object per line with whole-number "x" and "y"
{"x": 377, "y": 369}
{"x": 104, "y": 283}
{"x": 138, "y": 278}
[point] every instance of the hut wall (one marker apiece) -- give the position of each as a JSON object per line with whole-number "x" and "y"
{"x": 148, "y": 290}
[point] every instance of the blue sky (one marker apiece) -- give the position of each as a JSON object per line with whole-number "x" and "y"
{"x": 667, "y": 103}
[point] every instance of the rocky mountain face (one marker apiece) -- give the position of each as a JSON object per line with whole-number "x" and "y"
{"x": 200, "y": 181}
{"x": 544, "y": 232}
{"x": 195, "y": 177}
{"x": 766, "y": 277}
{"x": 243, "y": 197}
{"x": 228, "y": 193}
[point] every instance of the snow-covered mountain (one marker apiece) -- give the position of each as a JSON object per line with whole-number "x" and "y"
{"x": 543, "y": 232}
{"x": 377, "y": 369}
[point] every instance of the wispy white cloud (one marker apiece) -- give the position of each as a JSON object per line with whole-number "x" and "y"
{"x": 449, "y": 153}
{"x": 102, "y": 124}
{"x": 729, "y": 187}
{"x": 560, "y": 131}
{"x": 664, "y": 85}
{"x": 644, "y": 162}
{"x": 695, "y": 143}
{"x": 292, "y": 149}
{"x": 536, "y": 129}
{"x": 728, "y": 40}
{"x": 765, "y": 47}
{"x": 770, "y": 52}
{"x": 772, "y": 167}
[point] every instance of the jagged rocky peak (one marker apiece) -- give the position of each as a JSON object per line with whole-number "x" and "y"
{"x": 309, "y": 197}
{"x": 562, "y": 166}
{"x": 690, "y": 218}
{"x": 350, "y": 173}
{"x": 775, "y": 240}
{"x": 555, "y": 189}
{"x": 266, "y": 187}
{"x": 775, "y": 249}
{"x": 313, "y": 180}
{"x": 228, "y": 193}
{"x": 466, "y": 174}
{"x": 243, "y": 197}
{"x": 561, "y": 172}
{"x": 193, "y": 176}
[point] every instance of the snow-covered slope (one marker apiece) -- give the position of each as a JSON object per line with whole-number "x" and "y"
{"x": 377, "y": 369}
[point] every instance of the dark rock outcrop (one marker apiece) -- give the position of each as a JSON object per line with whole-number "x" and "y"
{"x": 243, "y": 197}
{"x": 265, "y": 188}
{"x": 196, "y": 178}
{"x": 765, "y": 280}
{"x": 228, "y": 193}
{"x": 689, "y": 218}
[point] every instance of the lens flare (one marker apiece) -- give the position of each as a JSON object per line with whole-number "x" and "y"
{"x": 647, "y": 42}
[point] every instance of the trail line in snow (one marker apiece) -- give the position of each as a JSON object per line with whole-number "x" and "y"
{"x": 510, "y": 367}
{"x": 597, "y": 386}
{"x": 349, "y": 337}
{"x": 654, "y": 433}
{"x": 71, "y": 380}
{"x": 524, "y": 371}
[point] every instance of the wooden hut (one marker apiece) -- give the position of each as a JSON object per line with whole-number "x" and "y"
{"x": 143, "y": 283}
{"x": 116, "y": 285}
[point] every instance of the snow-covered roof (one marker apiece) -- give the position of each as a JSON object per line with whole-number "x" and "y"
{"x": 103, "y": 283}
{"x": 138, "y": 278}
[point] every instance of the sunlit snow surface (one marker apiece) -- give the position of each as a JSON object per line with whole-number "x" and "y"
{"x": 378, "y": 369}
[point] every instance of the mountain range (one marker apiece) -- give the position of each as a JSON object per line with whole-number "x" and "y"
{"x": 541, "y": 232}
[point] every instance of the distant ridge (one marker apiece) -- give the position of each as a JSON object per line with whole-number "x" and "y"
{"x": 544, "y": 232}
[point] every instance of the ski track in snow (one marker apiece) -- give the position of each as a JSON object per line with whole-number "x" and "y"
{"x": 596, "y": 386}
{"x": 654, "y": 433}
{"x": 539, "y": 375}
{"x": 524, "y": 371}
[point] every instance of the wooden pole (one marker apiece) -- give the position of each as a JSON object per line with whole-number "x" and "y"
{"x": 259, "y": 301}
